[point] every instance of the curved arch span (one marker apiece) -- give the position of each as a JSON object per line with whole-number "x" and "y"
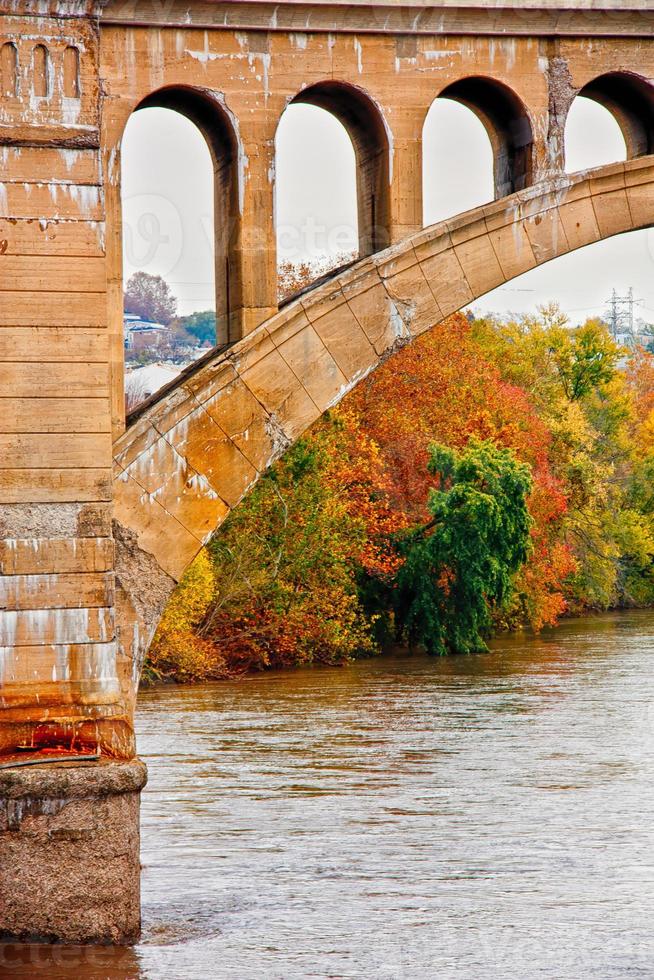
{"x": 192, "y": 454}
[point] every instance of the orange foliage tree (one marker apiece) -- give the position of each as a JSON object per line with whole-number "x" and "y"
{"x": 443, "y": 389}
{"x": 287, "y": 561}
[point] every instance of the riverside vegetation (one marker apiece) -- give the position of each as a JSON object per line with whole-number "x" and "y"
{"x": 491, "y": 475}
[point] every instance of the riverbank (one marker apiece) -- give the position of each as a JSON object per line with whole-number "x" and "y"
{"x": 496, "y": 644}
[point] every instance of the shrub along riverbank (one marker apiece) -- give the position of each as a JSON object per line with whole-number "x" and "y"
{"x": 489, "y": 476}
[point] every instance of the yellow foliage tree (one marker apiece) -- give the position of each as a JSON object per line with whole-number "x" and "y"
{"x": 177, "y": 649}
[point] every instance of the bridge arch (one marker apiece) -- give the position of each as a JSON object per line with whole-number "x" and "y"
{"x": 591, "y": 137}
{"x": 365, "y": 125}
{"x": 508, "y": 125}
{"x": 630, "y": 99}
{"x": 209, "y": 115}
{"x": 192, "y": 452}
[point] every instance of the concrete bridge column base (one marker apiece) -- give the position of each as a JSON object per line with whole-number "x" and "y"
{"x": 69, "y": 852}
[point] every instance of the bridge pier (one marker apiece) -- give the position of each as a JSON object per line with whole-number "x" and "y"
{"x": 69, "y": 852}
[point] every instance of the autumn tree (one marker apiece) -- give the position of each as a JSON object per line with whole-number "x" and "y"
{"x": 459, "y": 566}
{"x": 178, "y": 650}
{"x": 150, "y": 298}
{"x": 585, "y": 358}
{"x": 285, "y": 569}
{"x": 200, "y": 326}
{"x": 593, "y": 410}
{"x": 446, "y": 387}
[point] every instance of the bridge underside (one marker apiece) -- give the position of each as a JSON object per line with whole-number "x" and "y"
{"x": 98, "y": 523}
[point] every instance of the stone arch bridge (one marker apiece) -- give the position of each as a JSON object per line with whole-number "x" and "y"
{"x": 99, "y": 520}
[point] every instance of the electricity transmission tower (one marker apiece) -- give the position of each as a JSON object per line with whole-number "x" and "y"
{"x": 620, "y": 317}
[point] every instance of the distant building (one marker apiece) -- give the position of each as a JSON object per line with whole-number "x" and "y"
{"x": 142, "y": 333}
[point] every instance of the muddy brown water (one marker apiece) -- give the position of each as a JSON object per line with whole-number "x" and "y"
{"x": 403, "y": 817}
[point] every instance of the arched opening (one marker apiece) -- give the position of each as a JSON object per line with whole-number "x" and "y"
{"x": 332, "y": 188}
{"x": 630, "y": 99}
{"x": 41, "y": 71}
{"x": 505, "y": 119}
{"x": 181, "y": 233}
{"x": 71, "y": 73}
{"x": 9, "y": 70}
{"x": 457, "y": 162}
{"x": 592, "y": 136}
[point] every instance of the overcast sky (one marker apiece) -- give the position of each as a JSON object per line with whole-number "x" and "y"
{"x": 168, "y": 203}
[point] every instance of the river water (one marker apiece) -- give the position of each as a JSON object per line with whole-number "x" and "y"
{"x": 403, "y": 817}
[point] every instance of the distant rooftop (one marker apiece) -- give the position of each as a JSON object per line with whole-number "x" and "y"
{"x": 134, "y": 322}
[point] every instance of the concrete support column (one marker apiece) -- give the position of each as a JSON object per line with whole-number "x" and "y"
{"x": 60, "y": 674}
{"x": 406, "y": 185}
{"x": 69, "y": 853}
{"x": 69, "y": 865}
{"x": 257, "y": 247}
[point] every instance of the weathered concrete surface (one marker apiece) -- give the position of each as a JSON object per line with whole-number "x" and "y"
{"x": 94, "y": 532}
{"x": 69, "y": 852}
{"x": 57, "y": 624}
